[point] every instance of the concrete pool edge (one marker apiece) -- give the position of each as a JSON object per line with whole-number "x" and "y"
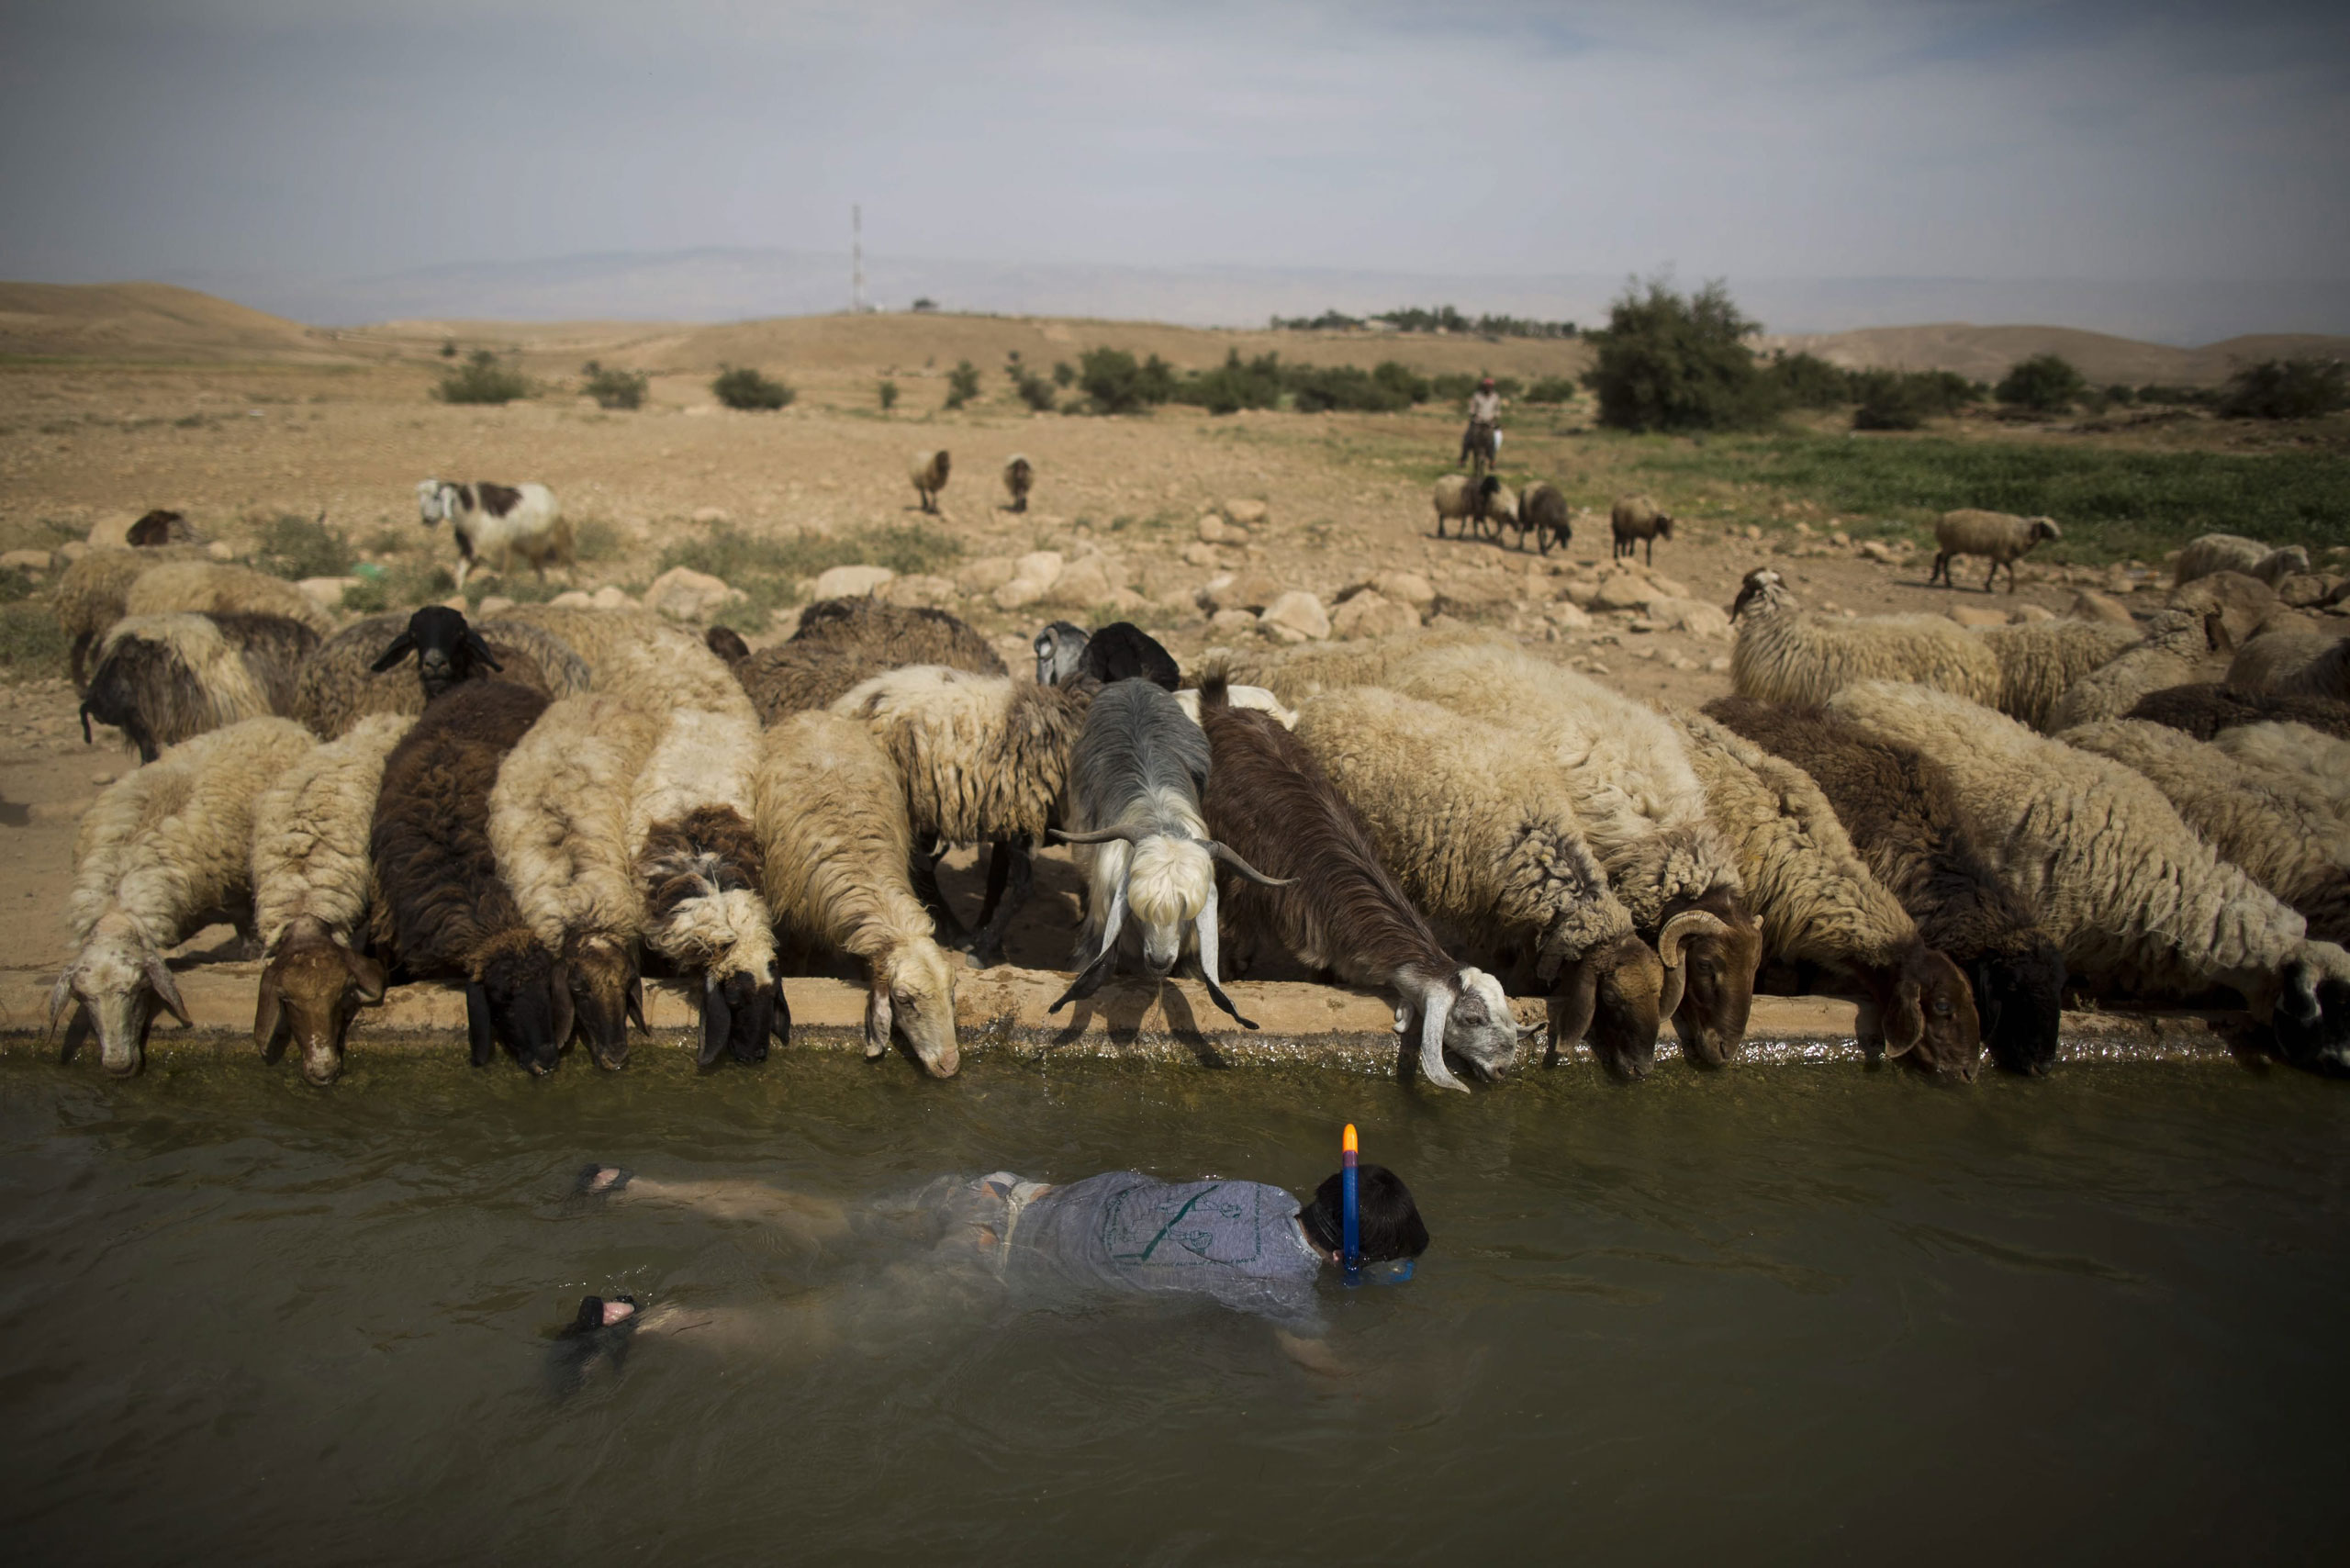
{"x": 1002, "y": 1013}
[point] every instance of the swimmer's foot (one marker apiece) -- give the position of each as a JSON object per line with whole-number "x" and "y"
{"x": 601, "y": 1180}
{"x": 596, "y": 1336}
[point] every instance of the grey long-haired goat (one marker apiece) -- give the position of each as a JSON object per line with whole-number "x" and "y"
{"x": 1134, "y": 790}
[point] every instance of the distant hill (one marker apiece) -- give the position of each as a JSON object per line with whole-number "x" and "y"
{"x": 1984, "y": 354}
{"x": 149, "y": 321}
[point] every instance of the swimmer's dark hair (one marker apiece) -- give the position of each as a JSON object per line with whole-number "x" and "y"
{"x": 1390, "y": 1220}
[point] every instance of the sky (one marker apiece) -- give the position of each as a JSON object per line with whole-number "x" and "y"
{"x": 1944, "y": 138}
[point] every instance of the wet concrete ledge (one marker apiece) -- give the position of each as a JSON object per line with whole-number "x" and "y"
{"x": 1002, "y": 1013}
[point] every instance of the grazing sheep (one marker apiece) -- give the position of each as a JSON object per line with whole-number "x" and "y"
{"x": 1296, "y": 673}
{"x": 90, "y": 593}
{"x": 928, "y": 471}
{"x": 1823, "y": 910}
{"x": 450, "y": 914}
{"x": 2233, "y": 607}
{"x": 1464, "y": 500}
{"x": 161, "y": 526}
{"x": 842, "y": 643}
{"x": 1784, "y": 654}
{"x": 1120, "y": 651}
{"x": 2313, "y": 761}
{"x": 313, "y": 895}
{"x": 983, "y": 759}
{"x": 1627, "y": 771}
{"x": 2277, "y": 827}
{"x": 1019, "y": 476}
{"x": 1900, "y": 810}
{"x": 1636, "y": 519}
{"x": 1270, "y": 804}
{"x": 2294, "y": 664}
{"x": 496, "y": 522}
{"x": 1999, "y": 537}
{"x": 832, "y": 830}
{"x": 341, "y": 683}
{"x": 1544, "y": 513}
{"x": 2233, "y": 553}
{"x": 2204, "y": 708}
{"x": 161, "y": 679}
{"x": 635, "y": 654}
{"x": 2040, "y": 660}
{"x": 2140, "y": 903}
{"x": 209, "y": 588}
{"x": 164, "y": 853}
{"x": 1134, "y": 778}
{"x": 1483, "y": 839}
{"x": 2171, "y": 652}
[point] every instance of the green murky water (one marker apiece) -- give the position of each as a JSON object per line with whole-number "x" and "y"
{"x": 1798, "y": 1313}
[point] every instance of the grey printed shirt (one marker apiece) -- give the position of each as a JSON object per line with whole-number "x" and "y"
{"x": 1236, "y": 1243}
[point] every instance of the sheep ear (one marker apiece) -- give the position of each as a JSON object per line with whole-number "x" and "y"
{"x": 637, "y": 1003}
{"x": 565, "y": 1015}
{"x": 1089, "y": 978}
{"x": 1905, "y": 1022}
{"x": 717, "y": 1018}
{"x": 59, "y": 995}
{"x": 77, "y": 1031}
{"x": 878, "y": 1018}
{"x": 367, "y": 974}
{"x": 1432, "y": 1022}
{"x": 269, "y": 1036}
{"x": 168, "y": 990}
{"x": 401, "y": 646}
{"x": 1571, "y": 1009}
{"x": 479, "y": 1034}
{"x": 1246, "y": 869}
{"x": 1206, "y": 928}
{"x": 480, "y": 650}
{"x": 780, "y": 1021}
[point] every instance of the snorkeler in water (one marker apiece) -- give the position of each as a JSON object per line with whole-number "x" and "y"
{"x": 1244, "y": 1245}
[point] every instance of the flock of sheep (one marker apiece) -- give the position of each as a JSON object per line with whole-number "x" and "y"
{"x": 1950, "y": 828}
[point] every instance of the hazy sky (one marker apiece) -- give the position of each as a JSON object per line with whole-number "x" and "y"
{"x": 1954, "y": 139}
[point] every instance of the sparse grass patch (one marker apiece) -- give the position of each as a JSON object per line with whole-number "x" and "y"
{"x": 33, "y": 644}
{"x": 596, "y": 539}
{"x": 42, "y": 533}
{"x": 769, "y": 570}
{"x": 297, "y": 547}
{"x": 401, "y": 586}
{"x": 391, "y": 542}
{"x": 15, "y": 585}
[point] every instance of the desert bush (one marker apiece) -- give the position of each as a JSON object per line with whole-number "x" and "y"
{"x": 596, "y": 539}
{"x": 1551, "y": 390}
{"x": 1402, "y": 380}
{"x": 2286, "y": 389}
{"x": 1509, "y": 387}
{"x": 2182, "y": 397}
{"x": 740, "y": 387}
{"x": 1116, "y": 384}
{"x": 15, "y": 584}
{"x": 448, "y": 348}
{"x": 2120, "y": 395}
{"x": 889, "y": 396}
{"x": 297, "y": 547}
{"x": 613, "y": 388}
{"x": 962, "y": 384}
{"x": 1234, "y": 385}
{"x": 481, "y": 379}
{"x": 1318, "y": 388}
{"x": 926, "y": 304}
{"x": 33, "y": 644}
{"x": 1453, "y": 388}
{"x": 403, "y": 585}
{"x": 1675, "y": 361}
{"x": 1808, "y": 381}
{"x": 1063, "y": 375}
{"x": 2045, "y": 384}
{"x": 1904, "y": 400}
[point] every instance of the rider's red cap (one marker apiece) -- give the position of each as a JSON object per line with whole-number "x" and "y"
{"x": 1488, "y": 382}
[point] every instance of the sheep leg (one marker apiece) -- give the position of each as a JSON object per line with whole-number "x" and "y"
{"x": 1991, "y": 583}
{"x": 921, "y": 869}
{"x": 1010, "y": 863}
{"x": 1940, "y": 574}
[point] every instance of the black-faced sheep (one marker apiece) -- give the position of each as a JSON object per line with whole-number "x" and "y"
{"x": 1544, "y": 513}
{"x": 164, "y": 853}
{"x": 2232, "y": 552}
{"x": 314, "y": 889}
{"x": 494, "y": 523}
{"x": 209, "y": 588}
{"x": 340, "y": 683}
{"x": 161, "y": 679}
{"x": 1901, "y": 810}
{"x": 2140, "y": 904}
{"x": 1120, "y": 651}
{"x": 1635, "y": 520}
{"x": 2040, "y": 660}
{"x": 1269, "y": 802}
{"x": 1999, "y": 537}
{"x": 2204, "y": 708}
{"x": 2172, "y": 651}
{"x": 1019, "y": 478}
{"x": 161, "y": 526}
{"x": 833, "y": 829}
{"x": 2294, "y": 664}
{"x": 451, "y": 917}
{"x": 928, "y": 471}
{"x": 1784, "y": 653}
{"x": 1482, "y": 838}
{"x": 1822, "y": 912}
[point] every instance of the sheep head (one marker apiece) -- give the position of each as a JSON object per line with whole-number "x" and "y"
{"x": 434, "y": 500}
{"x": 607, "y": 995}
{"x": 1663, "y": 526}
{"x": 308, "y": 995}
{"x": 1613, "y": 997}
{"x": 2307, "y": 1008}
{"x": 2018, "y": 986}
{"x": 1710, "y": 948}
{"x": 740, "y": 1009}
{"x": 114, "y": 984}
{"x": 519, "y": 998}
{"x": 2045, "y": 528}
{"x": 1761, "y": 590}
{"x": 914, "y": 994}
{"x": 1059, "y": 648}
{"x": 1919, "y": 1010}
{"x": 1464, "y": 1014}
{"x": 1169, "y": 881}
{"x": 447, "y": 649}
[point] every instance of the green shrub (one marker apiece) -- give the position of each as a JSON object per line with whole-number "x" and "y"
{"x": 15, "y": 584}
{"x": 32, "y": 644}
{"x": 1033, "y": 389}
{"x": 740, "y": 387}
{"x": 962, "y": 384}
{"x": 2120, "y": 395}
{"x": 448, "y": 348}
{"x": 2045, "y": 384}
{"x": 1451, "y": 388}
{"x": 1234, "y": 385}
{"x": 768, "y": 569}
{"x": 1508, "y": 386}
{"x": 1063, "y": 376}
{"x": 2286, "y": 389}
{"x": 481, "y": 379}
{"x": 614, "y": 388}
{"x": 1116, "y": 384}
{"x": 297, "y": 547}
{"x": 1316, "y": 388}
{"x": 1674, "y": 361}
{"x": 2183, "y": 397}
{"x": 596, "y": 539}
{"x": 401, "y": 586}
{"x": 1891, "y": 401}
{"x": 889, "y": 396}
{"x": 1402, "y": 379}
{"x": 1806, "y": 381}
{"x": 1552, "y": 390}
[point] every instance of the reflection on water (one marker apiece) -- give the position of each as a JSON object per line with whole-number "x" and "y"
{"x": 1798, "y": 1312}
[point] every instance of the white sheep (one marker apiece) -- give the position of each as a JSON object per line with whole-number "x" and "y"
{"x": 2170, "y": 654}
{"x": 833, "y": 835}
{"x": 1463, "y": 501}
{"x": 209, "y": 588}
{"x": 2310, "y": 759}
{"x": 1784, "y": 653}
{"x": 637, "y": 655}
{"x": 313, "y": 893}
{"x": 928, "y": 471}
{"x": 2138, "y": 902}
{"x": 2294, "y": 664}
{"x": 2041, "y": 660}
{"x": 164, "y": 851}
{"x": 2233, "y": 553}
{"x": 1999, "y": 537}
{"x": 497, "y": 522}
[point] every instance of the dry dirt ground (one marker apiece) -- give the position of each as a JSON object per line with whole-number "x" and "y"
{"x": 1343, "y": 498}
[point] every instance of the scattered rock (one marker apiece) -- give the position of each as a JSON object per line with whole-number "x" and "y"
{"x": 687, "y": 595}
{"x": 25, "y": 560}
{"x": 920, "y": 591}
{"x": 1230, "y": 621}
{"x": 846, "y": 582}
{"x": 327, "y": 592}
{"x": 1296, "y": 617}
{"x": 1878, "y": 551}
{"x": 1371, "y": 615}
{"x": 712, "y": 514}
{"x": 1717, "y": 664}
{"x": 1252, "y": 591}
{"x": 1201, "y": 553}
{"x": 987, "y": 574}
{"x": 1404, "y": 588}
{"x": 1247, "y": 514}
{"x": 1082, "y": 585}
{"x": 612, "y": 595}
{"x": 2090, "y": 605}
{"x": 1973, "y": 616}
{"x": 1693, "y": 616}
{"x": 101, "y": 777}
{"x": 219, "y": 550}
{"x": 1566, "y": 616}
{"x": 2024, "y": 615}
{"x": 572, "y": 598}
{"x": 493, "y": 605}
{"x": 1624, "y": 590}
{"x": 1032, "y": 577}
{"x": 1214, "y": 530}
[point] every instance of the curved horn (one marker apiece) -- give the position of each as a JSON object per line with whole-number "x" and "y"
{"x": 1089, "y": 978}
{"x": 1206, "y": 928}
{"x": 1681, "y": 927}
{"x": 1432, "y": 1022}
{"x": 1097, "y": 835}
{"x": 1232, "y": 859}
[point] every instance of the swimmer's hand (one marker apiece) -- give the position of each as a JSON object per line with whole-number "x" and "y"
{"x": 1314, "y": 1355}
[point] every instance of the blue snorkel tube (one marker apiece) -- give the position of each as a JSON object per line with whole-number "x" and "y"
{"x": 1350, "y": 1223}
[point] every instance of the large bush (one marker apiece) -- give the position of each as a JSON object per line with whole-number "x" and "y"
{"x": 1904, "y": 400}
{"x": 481, "y": 379}
{"x": 1402, "y": 380}
{"x": 2287, "y": 389}
{"x": 1117, "y": 385}
{"x": 1806, "y": 381}
{"x": 740, "y": 387}
{"x": 1234, "y": 385}
{"x": 1675, "y": 361}
{"x": 613, "y": 388}
{"x": 2045, "y": 384}
{"x": 962, "y": 384}
{"x": 1315, "y": 389}
{"x": 1552, "y": 390}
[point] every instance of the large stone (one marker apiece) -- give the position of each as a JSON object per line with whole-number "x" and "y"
{"x": 493, "y": 605}
{"x": 2027, "y": 614}
{"x": 1200, "y": 552}
{"x": 221, "y": 550}
{"x": 327, "y": 592}
{"x": 24, "y": 560}
{"x": 1404, "y": 588}
{"x": 1664, "y": 585}
{"x": 919, "y": 592}
{"x": 851, "y": 582}
{"x": 1214, "y": 530}
{"x": 1252, "y": 591}
{"x": 1693, "y": 616}
{"x": 1371, "y": 615}
{"x": 1040, "y": 566}
{"x": 1247, "y": 514}
{"x": 1566, "y": 615}
{"x": 1082, "y": 585}
{"x": 612, "y": 595}
{"x": 2090, "y": 605}
{"x": 1230, "y": 622}
{"x": 684, "y": 594}
{"x": 1624, "y": 590}
{"x": 987, "y": 574}
{"x": 572, "y": 598}
{"x": 1975, "y": 616}
{"x": 1300, "y": 612}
